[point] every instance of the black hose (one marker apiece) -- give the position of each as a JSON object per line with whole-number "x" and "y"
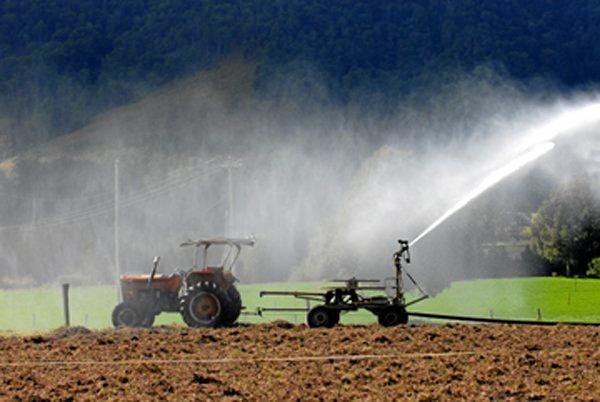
{"x": 497, "y": 320}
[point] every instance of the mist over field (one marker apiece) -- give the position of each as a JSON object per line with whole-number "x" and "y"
{"x": 325, "y": 188}
{"x": 326, "y": 129}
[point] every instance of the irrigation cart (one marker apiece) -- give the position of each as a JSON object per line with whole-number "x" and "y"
{"x": 333, "y": 301}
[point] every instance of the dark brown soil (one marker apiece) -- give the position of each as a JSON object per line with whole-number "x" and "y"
{"x": 279, "y": 362}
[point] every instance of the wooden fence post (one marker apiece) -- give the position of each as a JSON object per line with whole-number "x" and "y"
{"x": 65, "y": 294}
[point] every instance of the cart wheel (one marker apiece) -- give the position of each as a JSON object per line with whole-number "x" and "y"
{"x": 335, "y": 318}
{"x": 391, "y": 316}
{"x": 322, "y": 316}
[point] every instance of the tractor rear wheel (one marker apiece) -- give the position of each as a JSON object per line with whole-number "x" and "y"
{"x": 129, "y": 314}
{"x": 236, "y": 305}
{"x": 205, "y": 305}
{"x": 321, "y": 316}
{"x": 392, "y": 315}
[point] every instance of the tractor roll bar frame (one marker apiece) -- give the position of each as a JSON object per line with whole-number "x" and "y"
{"x": 235, "y": 248}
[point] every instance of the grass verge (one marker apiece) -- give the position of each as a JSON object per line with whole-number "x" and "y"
{"x": 556, "y": 299}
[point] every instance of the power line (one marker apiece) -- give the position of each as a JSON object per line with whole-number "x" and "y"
{"x": 108, "y": 206}
{"x": 57, "y": 199}
{"x": 105, "y": 195}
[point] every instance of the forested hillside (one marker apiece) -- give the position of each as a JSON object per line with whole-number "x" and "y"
{"x": 62, "y": 62}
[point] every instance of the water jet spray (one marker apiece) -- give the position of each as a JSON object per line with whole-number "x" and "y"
{"x": 566, "y": 122}
{"x": 536, "y": 143}
{"x": 489, "y": 181}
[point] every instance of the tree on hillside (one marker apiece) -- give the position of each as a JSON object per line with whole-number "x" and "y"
{"x": 64, "y": 61}
{"x": 565, "y": 231}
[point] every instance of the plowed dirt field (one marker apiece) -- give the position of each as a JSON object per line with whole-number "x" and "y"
{"x": 285, "y": 362}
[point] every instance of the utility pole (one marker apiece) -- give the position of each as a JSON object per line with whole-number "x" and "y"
{"x": 116, "y": 228}
{"x": 34, "y": 218}
{"x": 33, "y": 211}
{"x": 230, "y": 185}
{"x": 230, "y": 164}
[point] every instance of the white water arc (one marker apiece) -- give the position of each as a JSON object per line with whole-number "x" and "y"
{"x": 489, "y": 181}
{"x": 567, "y": 122}
{"x": 535, "y": 144}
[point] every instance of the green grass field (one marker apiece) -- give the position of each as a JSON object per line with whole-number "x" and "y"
{"x": 558, "y": 299}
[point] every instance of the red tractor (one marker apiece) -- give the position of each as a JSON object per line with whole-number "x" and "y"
{"x": 204, "y": 295}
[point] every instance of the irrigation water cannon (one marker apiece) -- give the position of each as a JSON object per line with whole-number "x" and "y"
{"x": 399, "y": 256}
{"x": 404, "y": 251}
{"x": 335, "y": 300}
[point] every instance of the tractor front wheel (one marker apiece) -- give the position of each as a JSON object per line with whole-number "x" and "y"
{"x": 129, "y": 314}
{"x": 321, "y": 316}
{"x": 148, "y": 320}
{"x": 392, "y": 315}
